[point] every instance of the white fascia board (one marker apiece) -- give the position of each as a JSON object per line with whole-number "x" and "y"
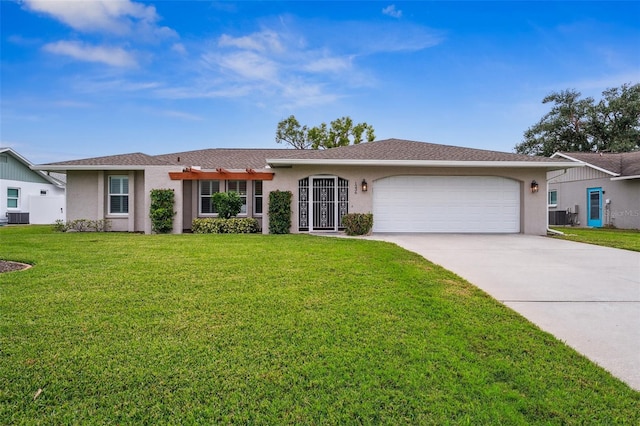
{"x": 424, "y": 163}
{"x": 626, "y": 177}
{"x": 609, "y": 172}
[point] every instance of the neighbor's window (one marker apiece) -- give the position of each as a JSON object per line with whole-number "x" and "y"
{"x": 13, "y": 198}
{"x": 118, "y": 194}
{"x": 239, "y": 186}
{"x": 257, "y": 197}
{"x": 207, "y": 189}
{"x": 553, "y": 198}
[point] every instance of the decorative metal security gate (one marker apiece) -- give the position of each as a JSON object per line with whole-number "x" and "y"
{"x": 322, "y": 202}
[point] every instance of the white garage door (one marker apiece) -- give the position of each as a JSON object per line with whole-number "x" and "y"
{"x": 465, "y": 204}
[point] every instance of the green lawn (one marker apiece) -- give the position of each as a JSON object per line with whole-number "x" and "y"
{"x": 185, "y": 329}
{"x": 617, "y": 238}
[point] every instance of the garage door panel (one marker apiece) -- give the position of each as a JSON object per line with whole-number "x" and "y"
{"x": 446, "y": 204}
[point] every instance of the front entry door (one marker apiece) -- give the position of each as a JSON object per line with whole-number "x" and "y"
{"x": 323, "y": 201}
{"x": 594, "y": 207}
{"x": 323, "y": 204}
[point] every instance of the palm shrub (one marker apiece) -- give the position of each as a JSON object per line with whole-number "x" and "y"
{"x": 161, "y": 211}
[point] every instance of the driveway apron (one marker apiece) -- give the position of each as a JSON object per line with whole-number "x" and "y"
{"x": 587, "y": 296}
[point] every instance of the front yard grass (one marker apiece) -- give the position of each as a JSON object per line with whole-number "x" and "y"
{"x": 627, "y": 239}
{"x": 208, "y": 329}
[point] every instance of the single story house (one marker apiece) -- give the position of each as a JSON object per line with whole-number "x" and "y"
{"x": 29, "y": 196}
{"x": 605, "y": 192}
{"x": 408, "y": 186}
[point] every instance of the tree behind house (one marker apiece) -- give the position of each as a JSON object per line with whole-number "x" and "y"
{"x": 582, "y": 125}
{"x": 341, "y": 132}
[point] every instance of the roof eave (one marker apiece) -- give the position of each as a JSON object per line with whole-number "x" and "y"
{"x": 549, "y": 165}
{"x": 586, "y": 163}
{"x": 27, "y": 163}
{"x": 626, "y": 177}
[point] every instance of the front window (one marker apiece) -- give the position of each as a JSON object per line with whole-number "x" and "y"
{"x": 553, "y": 198}
{"x": 207, "y": 189}
{"x": 239, "y": 186}
{"x": 118, "y": 194}
{"x": 257, "y": 196}
{"x": 13, "y": 198}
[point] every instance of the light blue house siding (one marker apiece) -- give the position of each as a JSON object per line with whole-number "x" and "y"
{"x": 26, "y": 195}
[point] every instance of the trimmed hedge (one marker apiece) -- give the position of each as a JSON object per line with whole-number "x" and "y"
{"x": 357, "y": 223}
{"x": 82, "y": 225}
{"x": 280, "y": 212}
{"x": 161, "y": 211}
{"x": 234, "y": 225}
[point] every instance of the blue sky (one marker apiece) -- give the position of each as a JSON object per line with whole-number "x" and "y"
{"x": 91, "y": 78}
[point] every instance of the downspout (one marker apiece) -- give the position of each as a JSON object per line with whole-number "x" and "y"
{"x": 549, "y": 230}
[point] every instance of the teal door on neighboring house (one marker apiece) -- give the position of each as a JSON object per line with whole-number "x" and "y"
{"x": 594, "y": 207}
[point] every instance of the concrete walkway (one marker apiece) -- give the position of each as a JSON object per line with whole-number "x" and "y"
{"x": 585, "y": 295}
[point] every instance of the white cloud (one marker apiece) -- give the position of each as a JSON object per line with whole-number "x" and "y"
{"x": 392, "y": 11}
{"x": 263, "y": 41}
{"x": 113, "y": 56}
{"x": 329, "y": 64}
{"x": 181, "y": 115}
{"x": 121, "y": 17}
{"x": 179, "y": 48}
{"x": 249, "y": 65}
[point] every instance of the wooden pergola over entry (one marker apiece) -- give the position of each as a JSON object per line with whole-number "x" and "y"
{"x": 220, "y": 174}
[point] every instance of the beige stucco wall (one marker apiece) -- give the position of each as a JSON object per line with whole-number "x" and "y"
{"x": 533, "y": 213}
{"x": 83, "y": 200}
{"x": 87, "y": 197}
{"x": 192, "y": 198}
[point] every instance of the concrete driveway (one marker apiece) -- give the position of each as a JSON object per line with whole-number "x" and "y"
{"x": 585, "y": 295}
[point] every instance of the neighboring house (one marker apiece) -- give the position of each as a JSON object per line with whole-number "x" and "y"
{"x": 605, "y": 192}
{"x": 408, "y": 186}
{"x": 28, "y": 196}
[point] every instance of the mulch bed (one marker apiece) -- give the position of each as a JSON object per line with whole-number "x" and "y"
{"x": 6, "y": 266}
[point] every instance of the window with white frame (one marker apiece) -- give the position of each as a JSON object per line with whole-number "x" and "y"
{"x": 553, "y": 198}
{"x": 257, "y": 197}
{"x": 207, "y": 189}
{"x": 13, "y": 198}
{"x": 240, "y": 187}
{"x": 118, "y": 194}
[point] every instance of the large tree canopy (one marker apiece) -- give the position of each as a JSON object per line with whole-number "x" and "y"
{"x": 574, "y": 124}
{"x": 341, "y": 132}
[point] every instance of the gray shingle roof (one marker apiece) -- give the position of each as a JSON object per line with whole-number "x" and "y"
{"x": 224, "y": 158}
{"x": 135, "y": 159}
{"x": 389, "y": 149}
{"x": 624, "y": 164}
{"x": 398, "y": 149}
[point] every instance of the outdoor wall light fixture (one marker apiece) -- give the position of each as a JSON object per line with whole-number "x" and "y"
{"x": 534, "y": 186}
{"x": 364, "y": 186}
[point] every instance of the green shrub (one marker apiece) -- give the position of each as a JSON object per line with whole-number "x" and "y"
{"x": 227, "y": 204}
{"x": 280, "y": 212}
{"x": 234, "y": 225}
{"x": 59, "y": 226}
{"x": 83, "y": 225}
{"x": 357, "y": 223}
{"x": 161, "y": 211}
